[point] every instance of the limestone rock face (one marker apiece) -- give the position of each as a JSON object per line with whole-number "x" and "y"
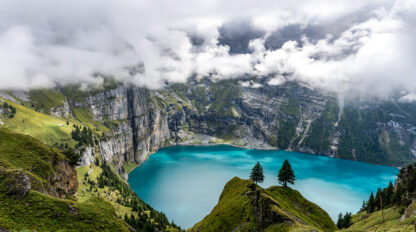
{"x": 290, "y": 116}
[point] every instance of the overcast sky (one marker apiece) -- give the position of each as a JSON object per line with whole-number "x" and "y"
{"x": 365, "y": 46}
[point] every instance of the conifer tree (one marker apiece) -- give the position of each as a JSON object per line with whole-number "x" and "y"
{"x": 257, "y": 173}
{"x": 340, "y": 221}
{"x": 371, "y": 204}
{"x": 286, "y": 174}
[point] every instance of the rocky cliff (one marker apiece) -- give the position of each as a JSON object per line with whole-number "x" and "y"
{"x": 248, "y": 113}
{"x": 130, "y": 122}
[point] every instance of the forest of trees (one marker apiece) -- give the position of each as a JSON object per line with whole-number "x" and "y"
{"x": 83, "y": 137}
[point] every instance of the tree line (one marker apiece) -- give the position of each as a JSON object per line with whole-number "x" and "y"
{"x": 399, "y": 195}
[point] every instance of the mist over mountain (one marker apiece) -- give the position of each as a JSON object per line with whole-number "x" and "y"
{"x": 351, "y": 48}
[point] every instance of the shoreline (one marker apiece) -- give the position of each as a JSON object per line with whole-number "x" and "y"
{"x": 270, "y": 148}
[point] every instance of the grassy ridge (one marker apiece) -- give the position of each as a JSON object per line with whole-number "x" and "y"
{"x": 244, "y": 206}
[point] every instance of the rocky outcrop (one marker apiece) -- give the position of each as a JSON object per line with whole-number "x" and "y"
{"x": 64, "y": 180}
{"x": 16, "y": 181}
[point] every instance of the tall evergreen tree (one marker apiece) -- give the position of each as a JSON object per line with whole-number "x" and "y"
{"x": 286, "y": 174}
{"x": 257, "y": 173}
{"x": 340, "y": 221}
{"x": 371, "y": 204}
{"x": 388, "y": 194}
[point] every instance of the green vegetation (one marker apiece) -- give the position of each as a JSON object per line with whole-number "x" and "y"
{"x": 26, "y": 153}
{"x": 83, "y": 137}
{"x": 257, "y": 173}
{"x": 287, "y": 129}
{"x": 45, "y": 99}
{"x": 102, "y": 181}
{"x": 363, "y": 139}
{"x": 401, "y": 195}
{"x": 224, "y": 94}
{"x": 8, "y": 110}
{"x": 130, "y": 166}
{"x": 244, "y": 206}
{"x": 321, "y": 129}
{"x": 48, "y": 129}
{"x": 286, "y": 174}
{"x": 36, "y": 210}
{"x": 391, "y": 209}
{"x": 40, "y": 212}
{"x": 364, "y": 221}
{"x": 344, "y": 221}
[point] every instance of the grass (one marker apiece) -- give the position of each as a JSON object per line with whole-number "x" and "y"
{"x": 48, "y": 129}
{"x": 40, "y": 212}
{"x": 85, "y": 116}
{"x": 293, "y": 202}
{"x": 110, "y": 195}
{"x": 374, "y": 222}
{"x": 236, "y": 207}
{"x": 129, "y": 166}
{"x": 46, "y": 98}
{"x": 26, "y": 153}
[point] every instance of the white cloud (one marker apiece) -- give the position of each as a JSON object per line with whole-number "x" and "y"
{"x": 367, "y": 47}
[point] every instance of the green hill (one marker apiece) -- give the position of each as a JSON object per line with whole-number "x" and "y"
{"x": 34, "y": 179}
{"x": 244, "y": 206}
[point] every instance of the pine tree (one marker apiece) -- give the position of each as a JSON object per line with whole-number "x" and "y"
{"x": 257, "y": 173}
{"x": 363, "y": 206}
{"x": 377, "y": 199}
{"x": 388, "y": 194}
{"x": 340, "y": 221}
{"x": 371, "y": 204}
{"x": 286, "y": 174}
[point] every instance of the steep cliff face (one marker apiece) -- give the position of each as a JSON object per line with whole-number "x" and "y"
{"x": 248, "y": 113}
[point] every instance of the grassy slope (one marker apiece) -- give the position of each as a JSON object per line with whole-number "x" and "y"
{"x": 37, "y": 211}
{"x": 27, "y": 153}
{"x": 235, "y": 210}
{"x": 374, "y": 222}
{"x": 46, "y": 99}
{"x": 44, "y": 127}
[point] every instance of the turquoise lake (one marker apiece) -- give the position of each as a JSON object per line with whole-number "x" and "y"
{"x": 185, "y": 182}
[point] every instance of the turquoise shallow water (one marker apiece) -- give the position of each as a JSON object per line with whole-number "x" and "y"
{"x": 185, "y": 181}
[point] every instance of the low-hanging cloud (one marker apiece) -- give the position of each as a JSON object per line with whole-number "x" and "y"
{"x": 344, "y": 46}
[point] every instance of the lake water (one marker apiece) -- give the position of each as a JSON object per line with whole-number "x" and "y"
{"x": 185, "y": 182}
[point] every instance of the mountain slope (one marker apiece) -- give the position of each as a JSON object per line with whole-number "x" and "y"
{"x": 398, "y": 203}
{"x": 33, "y": 179}
{"x": 244, "y": 206}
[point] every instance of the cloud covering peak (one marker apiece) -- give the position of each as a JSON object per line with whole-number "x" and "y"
{"x": 367, "y": 47}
